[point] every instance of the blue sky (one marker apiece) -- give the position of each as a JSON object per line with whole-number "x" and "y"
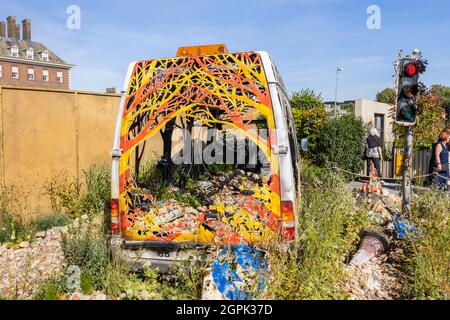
{"x": 306, "y": 38}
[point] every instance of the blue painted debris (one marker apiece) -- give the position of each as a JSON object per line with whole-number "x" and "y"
{"x": 227, "y": 280}
{"x": 403, "y": 228}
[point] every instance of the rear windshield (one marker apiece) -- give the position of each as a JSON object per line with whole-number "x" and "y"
{"x": 197, "y": 163}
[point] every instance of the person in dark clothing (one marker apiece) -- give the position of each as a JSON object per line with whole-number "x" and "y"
{"x": 373, "y": 151}
{"x": 439, "y": 159}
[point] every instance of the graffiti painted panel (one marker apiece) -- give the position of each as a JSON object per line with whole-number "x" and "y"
{"x": 188, "y": 97}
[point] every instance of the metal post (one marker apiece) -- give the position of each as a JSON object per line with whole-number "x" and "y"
{"x": 406, "y": 183}
{"x": 336, "y": 90}
{"x": 335, "y": 94}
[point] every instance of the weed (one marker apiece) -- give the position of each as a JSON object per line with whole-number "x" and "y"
{"x": 53, "y": 288}
{"x": 15, "y": 215}
{"x": 84, "y": 247}
{"x": 76, "y": 197}
{"x": 428, "y": 255}
{"x": 50, "y": 221}
{"x": 329, "y": 227}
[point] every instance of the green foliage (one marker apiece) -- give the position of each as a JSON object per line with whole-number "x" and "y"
{"x": 74, "y": 197}
{"x": 329, "y": 233}
{"x": 50, "y": 221}
{"x": 15, "y": 227}
{"x": 443, "y": 92}
{"x": 53, "y": 288}
{"x": 184, "y": 282}
{"x": 428, "y": 263}
{"x": 98, "y": 189}
{"x": 86, "y": 248}
{"x": 386, "y": 95}
{"x": 340, "y": 141}
{"x": 309, "y": 123}
{"x": 430, "y": 122}
{"x": 306, "y": 99}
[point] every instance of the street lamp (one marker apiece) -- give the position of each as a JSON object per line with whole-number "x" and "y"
{"x": 338, "y": 69}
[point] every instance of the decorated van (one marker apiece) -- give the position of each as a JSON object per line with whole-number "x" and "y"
{"x": 205, "y": 155}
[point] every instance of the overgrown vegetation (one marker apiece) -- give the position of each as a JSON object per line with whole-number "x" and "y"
{"x": 329, "y": 232}
{"x": 46, "y": 222}
{"x": 428, "y": 263}
{"x": 15, "y": 215}
{"x": 77, "y": 197}
{"x": 340, "y": 141}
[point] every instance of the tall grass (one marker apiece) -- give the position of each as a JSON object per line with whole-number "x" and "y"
{"x": 16, "y": 214}
{"x": 76, "y": 197}
{"x": 329, "y": 232}
{"x": 428, "y": 255}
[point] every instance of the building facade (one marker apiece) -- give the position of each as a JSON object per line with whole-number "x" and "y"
{"x": 28, "y": 63}
{"x": 373, "y": 113}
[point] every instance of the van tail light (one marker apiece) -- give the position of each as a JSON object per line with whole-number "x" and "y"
{"x": 288, "y": 220}
{"x": 115, "y": 216}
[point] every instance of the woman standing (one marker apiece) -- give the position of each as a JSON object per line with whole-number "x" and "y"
{"x": 373, "y": 151}
{"x": 439, "y": 158}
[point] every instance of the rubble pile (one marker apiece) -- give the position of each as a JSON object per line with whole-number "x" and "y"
{"x": 380, "y": 277}
{"x": 25, "y": 266}
{"x": 233, "y": 204}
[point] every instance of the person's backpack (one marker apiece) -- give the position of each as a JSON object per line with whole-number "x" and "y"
{"x": 366, "y": 150}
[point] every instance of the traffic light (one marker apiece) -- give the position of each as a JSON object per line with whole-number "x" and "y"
{"x": 408, "y": 89}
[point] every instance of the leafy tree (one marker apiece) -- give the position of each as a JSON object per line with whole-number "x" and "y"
{"x": 341, "y": 141}
{"x": 430, "y": 122}
{"x": 306, "y": 99}
{"x": 443, "y": 92}
{"x": 386, "y": 95}
{"x": 308, "y": 123}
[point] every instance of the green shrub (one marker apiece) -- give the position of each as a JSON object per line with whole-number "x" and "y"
{"x": 74, "y": 197}
{"x": 308, "y": 123}
{"x": 86, "y": 248}
{"x": 428, "y": 255}
{"x": 341, "y": 141}
{"x": 53, "y": 288}
{"x": 98, "y": 189}
{"x": 50, "y": 221}
{"x": 329, "y": 227}
{"x": 306, "y": 99}
{"x": 185, "y": 282}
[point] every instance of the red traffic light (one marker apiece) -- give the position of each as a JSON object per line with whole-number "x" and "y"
{"x": 410, "y": 69}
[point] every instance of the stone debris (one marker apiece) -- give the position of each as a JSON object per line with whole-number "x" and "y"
{"x": 379, "y": 278}
{"x": 25, "y": 266}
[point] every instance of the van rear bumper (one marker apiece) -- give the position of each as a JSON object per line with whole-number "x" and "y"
{"x": 139, "y": 255}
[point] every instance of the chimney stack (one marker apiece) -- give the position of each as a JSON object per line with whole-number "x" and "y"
{"x": 11, "y": 22}
{"x": 2, "y": 29}
{"x": 17, "y": 31}
{"x": 26, "y": 29}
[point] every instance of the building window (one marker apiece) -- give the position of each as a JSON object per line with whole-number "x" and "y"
{"x": 15, "y": 73}
{"x": 30, "y": 74}
{"x": 379, "y": 124}
{"x": 45, "y": 75}
{"x": 44, "y": 55}
{"x": 30, "y": 53}
{"x": 59, "y": 77}
{"x": 15, "y": 51}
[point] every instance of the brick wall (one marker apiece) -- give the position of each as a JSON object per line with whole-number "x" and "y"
{"x": 38, "y": 81}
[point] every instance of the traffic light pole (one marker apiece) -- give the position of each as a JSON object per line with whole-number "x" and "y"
{"x": 406, "y": 183}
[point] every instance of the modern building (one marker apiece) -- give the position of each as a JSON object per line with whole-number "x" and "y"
{"x": 28, "y": 63}
{"x": 373, "y": 113}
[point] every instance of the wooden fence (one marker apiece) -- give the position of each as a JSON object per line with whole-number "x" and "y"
{"x": 420, "y": 162}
